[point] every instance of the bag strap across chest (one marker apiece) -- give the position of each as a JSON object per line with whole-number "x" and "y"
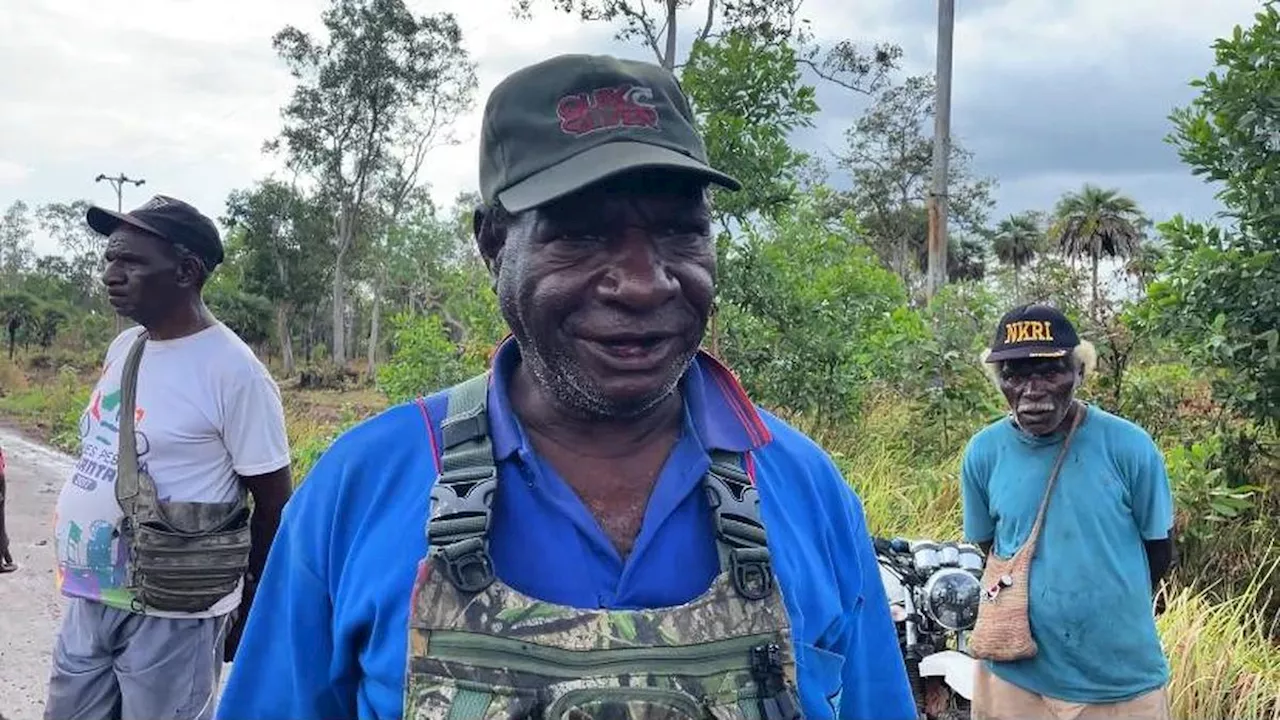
{"x": 461, "y": 510}
{"x": 129, "y": 482}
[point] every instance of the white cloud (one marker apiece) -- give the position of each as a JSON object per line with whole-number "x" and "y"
{"x": 12, "y": 173}
{"x": 184, "y": 92}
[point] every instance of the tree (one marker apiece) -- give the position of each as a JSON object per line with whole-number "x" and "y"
{"x": 46, "y": 320}
{"x": 1095, "y": 223}
{"x": 281, "y": 237}
{"x": 770, "y": 21}
{"x": 1144, "y": 263}
{"x": 358, "y": 94}
{"x": 15, "y": 239}
{"x": 16, "y": 310}
{"x": 748, "y": 97}
{"x": 84, "y": 248}
{"x": 1220, "y": 290}
{"x": 890, "y": 158}
{"x": 1016, "y": 242}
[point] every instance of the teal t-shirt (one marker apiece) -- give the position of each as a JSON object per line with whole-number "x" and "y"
{"x": 1091, "y": 607}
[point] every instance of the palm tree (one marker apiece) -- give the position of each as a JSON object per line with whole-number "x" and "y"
{"x": 1018, "y": 239}
{"x": 1144, "y": 263}
{"x": 1096, "y": 223}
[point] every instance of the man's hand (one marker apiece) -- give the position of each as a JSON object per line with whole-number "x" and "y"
{"x": 270, "y": 492}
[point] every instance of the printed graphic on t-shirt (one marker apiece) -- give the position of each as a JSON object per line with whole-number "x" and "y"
{"x": 91, "y": 557}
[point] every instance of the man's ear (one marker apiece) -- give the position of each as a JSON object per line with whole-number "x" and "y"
{"x": 490, "y": 238}
{"x": 188, "y": 273}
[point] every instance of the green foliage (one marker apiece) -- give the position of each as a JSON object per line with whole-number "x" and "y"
{"x": 248, "y": 315}
{"x": 890, "y": 160}
{"x": 425, "y": 359}
{"x": 1093, "y": 224}
{"x": 954, "y": 394}
{"x": 1221, "y": 291}
{"x": 1230, "y": 133}
{"x": 1204, "y": 498}
{"x": 1222, "y": 303}
{"x": 15, "y": 240}
{"x": 748, "y": 96}
{"x": 376, "y": 90}
{"x": 802, "y": 307}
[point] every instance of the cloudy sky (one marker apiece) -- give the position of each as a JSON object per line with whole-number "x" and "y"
{"x": 1048, "y": 94}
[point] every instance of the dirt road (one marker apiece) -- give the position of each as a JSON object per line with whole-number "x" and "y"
{"x": 30, "y": 608}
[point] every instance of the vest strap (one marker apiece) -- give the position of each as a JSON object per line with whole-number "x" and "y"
{"x": 462, "y": 497}
{"x": 740, "y": 535}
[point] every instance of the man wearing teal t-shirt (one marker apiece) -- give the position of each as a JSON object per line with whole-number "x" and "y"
{"x": 1105, "y": 543}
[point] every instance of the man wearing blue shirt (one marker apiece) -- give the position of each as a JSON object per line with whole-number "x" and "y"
{"x": 603, "y": 525}
{"x": 1105, "y": 541}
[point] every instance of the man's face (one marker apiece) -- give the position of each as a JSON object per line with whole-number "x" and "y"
{"x": 143, "y": 275}
{"x": 608, "y": 291}
{"x": 1039, "y": 391}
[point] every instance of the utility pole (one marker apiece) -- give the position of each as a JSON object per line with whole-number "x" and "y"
{"x": 117, "y": 183}
{"x": 937, "y": 270}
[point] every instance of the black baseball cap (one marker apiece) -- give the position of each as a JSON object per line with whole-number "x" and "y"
{"x": 1033, "y": 331}
{"x": 560, "y": 125}
{"x": 169, "y": 219}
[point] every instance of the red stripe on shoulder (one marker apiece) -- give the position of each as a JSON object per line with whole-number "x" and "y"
{"x": 737, "y": 397}
{"x": 431, "y": 434}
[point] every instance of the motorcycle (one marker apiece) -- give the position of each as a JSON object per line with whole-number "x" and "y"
{"x": 933, "y": 591}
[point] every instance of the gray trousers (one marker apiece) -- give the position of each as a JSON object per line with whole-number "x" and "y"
{"x": 111, "y": 664}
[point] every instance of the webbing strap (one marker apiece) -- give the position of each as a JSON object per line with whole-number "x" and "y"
{"x": 462, "y": 498}
{"x": 740, "y": 535}
{"x": 127, "y": 475}
{"x": 462, "y": 502}
{"x": 469, "y": 704}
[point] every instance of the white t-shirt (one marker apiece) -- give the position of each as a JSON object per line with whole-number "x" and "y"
{"x": 207, "y": 410}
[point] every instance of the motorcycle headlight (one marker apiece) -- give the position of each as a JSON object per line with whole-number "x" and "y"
{"x": 951, "y": 598}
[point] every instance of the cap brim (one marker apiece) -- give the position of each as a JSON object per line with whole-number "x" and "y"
{"x": 104, "y": 221}
{"x": 1030, "y": 351}
{"x": 600, "y": 163}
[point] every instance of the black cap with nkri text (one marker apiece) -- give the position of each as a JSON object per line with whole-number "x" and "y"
{"x": 1033, "y": 331}
{"x": 169, "y": 219}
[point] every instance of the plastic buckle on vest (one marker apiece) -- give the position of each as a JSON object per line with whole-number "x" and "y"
{"x": 468, "y": 564}
{"x": 752, "y": 575}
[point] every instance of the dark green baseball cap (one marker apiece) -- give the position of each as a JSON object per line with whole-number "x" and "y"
{"x": 556, "y": 127}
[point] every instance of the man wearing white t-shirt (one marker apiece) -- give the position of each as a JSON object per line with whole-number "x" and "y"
{"x": 208, "y": 421}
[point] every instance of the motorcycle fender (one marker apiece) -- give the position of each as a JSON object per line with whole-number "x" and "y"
{"x": 956, "y": 668}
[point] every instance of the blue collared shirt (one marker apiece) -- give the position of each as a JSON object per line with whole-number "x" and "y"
{"x": 328, "y": 632}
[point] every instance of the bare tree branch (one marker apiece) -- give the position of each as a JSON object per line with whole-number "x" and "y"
{"x": 711, "y": 18}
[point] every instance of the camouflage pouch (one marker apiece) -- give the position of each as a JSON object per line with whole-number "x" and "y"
{"x": 183, "y": 556}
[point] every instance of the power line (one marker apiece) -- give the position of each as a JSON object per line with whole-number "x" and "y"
{"x": 117, "y": 183}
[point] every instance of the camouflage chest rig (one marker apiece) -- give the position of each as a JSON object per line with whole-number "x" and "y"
{"x": 480, "y": 650}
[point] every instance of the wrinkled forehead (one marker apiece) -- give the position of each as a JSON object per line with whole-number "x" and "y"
{"x": 640, "y": 197}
